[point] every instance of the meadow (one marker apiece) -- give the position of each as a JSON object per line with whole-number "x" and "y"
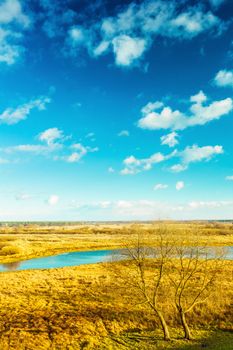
{"x": 93, "y": 306}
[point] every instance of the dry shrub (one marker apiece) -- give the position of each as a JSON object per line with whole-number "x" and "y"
{"x": 10, "y": 250}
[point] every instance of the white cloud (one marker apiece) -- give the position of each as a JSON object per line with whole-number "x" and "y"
{"x": 134, "y": 165}
{"x": 178, "y": 168}
{"x": 11, "y": 10}
{"x": 101, "y": 48}
{"x": 123, "y": 133}
{"x": 74, "y": 157}
{"x": 28, "y": 148}
{"x": 209, "y": 204}
{"x": 193, "y": 154}
{"x": 151, "y": 106}
{"x": 229, "y": 177}
{"x": 127, "y": 49}
{"x": 224, "y": 78}
{"x": 160, "y": 187}
{"x": 80, "y": 152}
{"x": 200, "y": 114}
{"x": 51, "y": 136}
{"x": 169, "y": 139}
{"x": 53, "y": 144}
{"x": 12, "y": 24}
{"x": 145, "y": 209}
{"x": 13, "y": 116}
{"x": 53, "y": 200}
{"x": 135, "y": 27}
{"x": 198, "y": 98}
{"x": 166, "y": 119}
{"x": 197, "y": 154}
{"x": 8, "y": 53}
{"x": 77, "y": 34}
{"x": 179, "y": 185}
{"x": 191, "y": 23}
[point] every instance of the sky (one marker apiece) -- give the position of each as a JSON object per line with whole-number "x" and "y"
{"x": 116, "y": 110}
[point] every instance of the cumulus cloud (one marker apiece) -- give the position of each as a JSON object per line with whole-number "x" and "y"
{"x": 199, "y": 113}
{"x": 51, "y": 136}
{"x": 229, "y": 177}
{"x": 127, "y": 49}
{"x": 224, "y": 78}
{"x": 127, "y": 34}
{"x": 53, "y": 144}
{"x": 14, "y": 115}
{"x": 130, "y": 32}
{"x": 191, "y": 154}
{"x": 169, "y": 139}
{"x": 151, "y": 106}
{"x": 179, "y": 185}
{"x": 134, "y": 165}
{"x": 11, "y": 10}
{"x": 79, "y": 152}
{"x": 197, "y": 154}
{"x": 13, "y": 23}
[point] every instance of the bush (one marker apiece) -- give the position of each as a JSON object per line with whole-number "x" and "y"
{"x": 10, "y": 250}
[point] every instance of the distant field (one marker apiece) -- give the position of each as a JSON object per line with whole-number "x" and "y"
{"x": 19, "y": 242}
{"x": 88, "y": 307}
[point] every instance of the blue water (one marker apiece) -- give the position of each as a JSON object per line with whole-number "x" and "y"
{"x": 61, "y": 260}
{"x": 75, "y": 259}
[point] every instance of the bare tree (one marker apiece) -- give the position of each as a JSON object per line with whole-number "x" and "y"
{"x": 192, "y": 271}
{"x": 165, "y": 267}
{"x": 146, "y": 273}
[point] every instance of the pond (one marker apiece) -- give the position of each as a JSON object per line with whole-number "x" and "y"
{"x": 74, "y": 259}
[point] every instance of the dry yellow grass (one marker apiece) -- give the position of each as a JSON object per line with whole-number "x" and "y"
{"x": 87, "y": 307}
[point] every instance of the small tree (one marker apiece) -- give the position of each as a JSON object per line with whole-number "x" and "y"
{"x": 146, "y": 273}
{"x": 192, "y": 271}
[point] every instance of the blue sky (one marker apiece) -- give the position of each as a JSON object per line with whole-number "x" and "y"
{"x": 116, "y": 110}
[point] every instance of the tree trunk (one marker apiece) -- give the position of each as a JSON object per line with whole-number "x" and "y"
{"x": 166, "y": 333}
{"x": 185, "y": 326}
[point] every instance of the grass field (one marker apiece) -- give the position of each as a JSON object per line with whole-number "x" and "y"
{"x": 88, "y": 307}
{"x": 23, "y": 242}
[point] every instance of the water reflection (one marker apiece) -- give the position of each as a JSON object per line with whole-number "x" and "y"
{"x": 96, "y": 256}
{"x": 12, "y": 266}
